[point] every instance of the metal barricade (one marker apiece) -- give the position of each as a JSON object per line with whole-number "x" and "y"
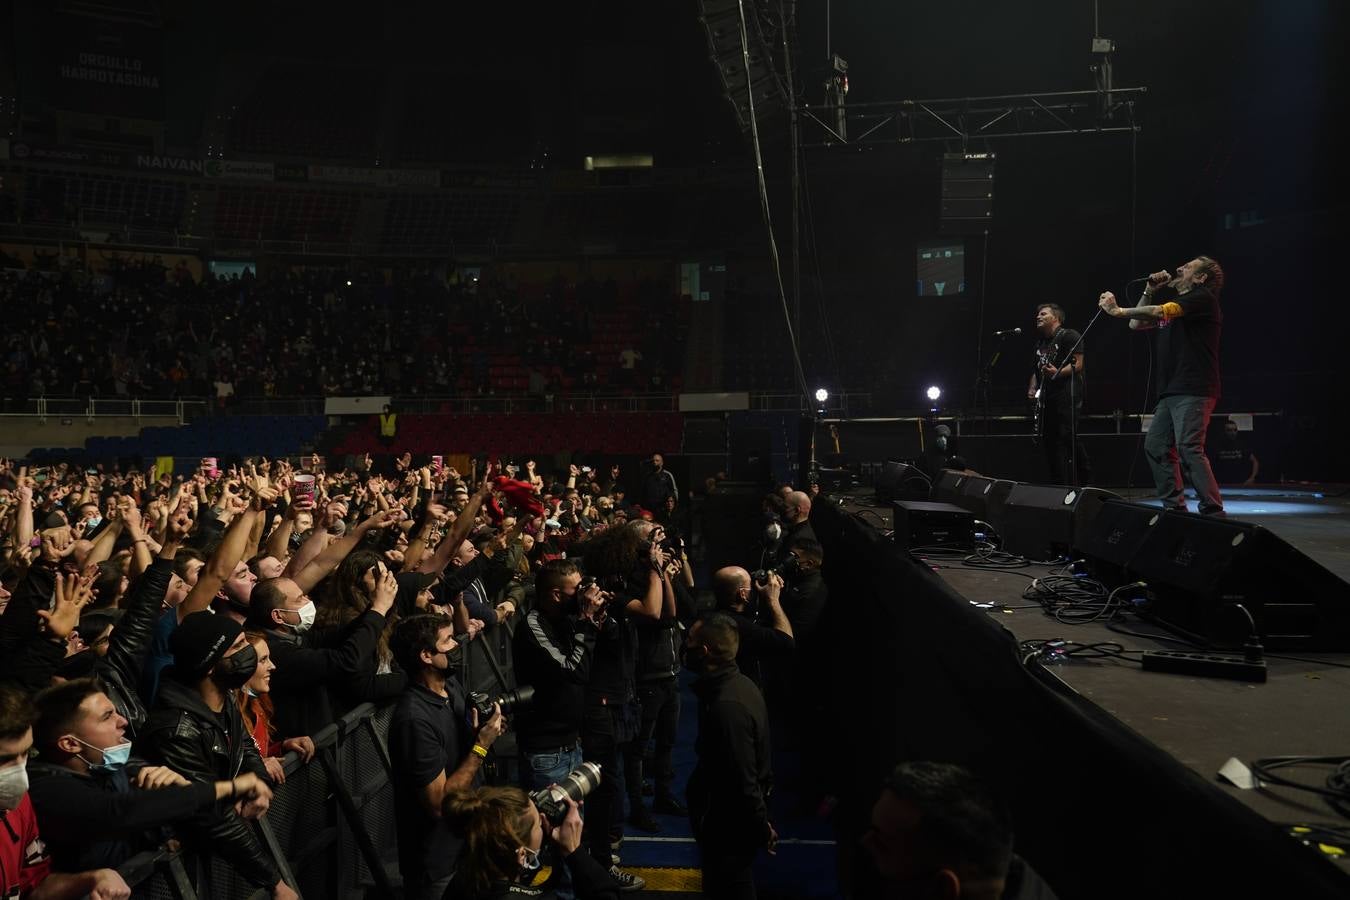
{"x": 330, "y": 827}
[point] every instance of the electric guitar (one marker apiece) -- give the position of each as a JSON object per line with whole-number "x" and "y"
{"x": 1044, "y": 357}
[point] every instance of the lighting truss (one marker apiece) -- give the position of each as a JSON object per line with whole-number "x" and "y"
{"x": 967, "y": 119}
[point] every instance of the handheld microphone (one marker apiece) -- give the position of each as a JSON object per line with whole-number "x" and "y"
{"x": 1007, "y": 331}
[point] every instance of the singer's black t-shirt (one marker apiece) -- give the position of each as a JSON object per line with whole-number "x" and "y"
{"x": 1188, "y": 346}
{"x": 1056, "y": 350}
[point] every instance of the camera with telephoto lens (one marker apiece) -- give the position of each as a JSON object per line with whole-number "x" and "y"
{"x": 511, "y": 702}
{"x": 551, "y": 801}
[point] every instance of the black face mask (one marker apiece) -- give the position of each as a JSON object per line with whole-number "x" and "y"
{"x": 454, "y": 658}
{"x": 234, "y": 671}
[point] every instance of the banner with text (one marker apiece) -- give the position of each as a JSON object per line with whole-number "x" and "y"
{"x": 240, "y": 169}
{"x": 106, "y": 67}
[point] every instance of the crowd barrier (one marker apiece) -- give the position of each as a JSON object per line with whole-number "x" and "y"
{"x": 330, "y": 828}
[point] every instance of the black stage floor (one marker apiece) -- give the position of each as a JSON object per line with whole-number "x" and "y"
{"x": 1201, "y": 722}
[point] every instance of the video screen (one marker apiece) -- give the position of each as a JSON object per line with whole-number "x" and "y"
{"x": 941, "y": 269}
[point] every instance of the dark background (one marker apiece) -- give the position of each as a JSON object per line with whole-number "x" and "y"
{"x": 1236, "y": 158}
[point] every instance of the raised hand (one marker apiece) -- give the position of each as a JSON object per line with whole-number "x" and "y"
{"x": 73, "y": 594}
{"x": 57, "y": 544}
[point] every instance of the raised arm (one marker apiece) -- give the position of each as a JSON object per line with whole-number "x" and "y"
{"x": 458, "y": 532}
{"x": 220, "y": 566}
{"x": 322, "y": 565}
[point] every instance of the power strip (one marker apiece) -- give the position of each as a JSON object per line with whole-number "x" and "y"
{"x": 1206, "y": 665}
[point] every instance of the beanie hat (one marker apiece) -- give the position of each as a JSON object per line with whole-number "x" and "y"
{"x": 200, "y": 641}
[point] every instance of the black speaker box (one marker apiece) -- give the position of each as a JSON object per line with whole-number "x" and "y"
{"x": 1198, "y": 568}
{"x": 901, "y": 481}
{"x": 985, "y": 498}
{"x": 1038, "y": 519}
{"x": 919, "y": 523}
{"x": 947, "y": 489}
{"x": 1110, "y": 532}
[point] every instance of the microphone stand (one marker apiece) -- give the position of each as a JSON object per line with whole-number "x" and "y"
{"x": 986, "y": 378}
{"x": 1073, "y": 406}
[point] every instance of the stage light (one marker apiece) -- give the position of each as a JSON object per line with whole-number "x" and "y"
{"x": 822, "y": 395}
{"x": 934, "y": 393}
{"x": 349, "y": 282}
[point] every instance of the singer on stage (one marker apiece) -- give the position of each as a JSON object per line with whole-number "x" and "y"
{"x": 1189, "y": 321}
{"x": 1060, "y": 381}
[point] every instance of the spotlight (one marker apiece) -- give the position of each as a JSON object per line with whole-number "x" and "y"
{"x": 934, "y": 393}
{"x": 822, "y": 395}
{"x": 349, "y": 282}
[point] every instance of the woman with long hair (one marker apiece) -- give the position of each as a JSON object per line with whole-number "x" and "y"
{"x": 350, "y": 591}
{"x": 254, "y": 702}
{"x": 503, "y": 834}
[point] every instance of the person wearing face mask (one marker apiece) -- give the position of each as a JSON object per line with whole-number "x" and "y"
{"x": 505, "y": 833}
{"x": 255, "y": 705}
{"x": 305, "y": 670}
{"x": 729, "y": 788}
{"x": 436, "y": 745}
{"x": 750, "y": 605}
{"x": 98, "y": 804}
{"x": 196, "y": 730}
{"x": 25, "y": 865}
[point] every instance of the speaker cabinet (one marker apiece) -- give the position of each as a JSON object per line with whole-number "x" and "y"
{"x": 947, "y": 488}
{"x": 901, "y": 481}
{"x": 1199, "y": 569}
{"x": 985, "y": 498}
{"x": 1038, "y": 520}
{"x": 923, "y": 524}
{"x": 1109, "y": 533}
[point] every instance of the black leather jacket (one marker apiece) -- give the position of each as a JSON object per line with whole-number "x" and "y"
{"x": 184, "y": 734}
{"x": 120, "y": 669}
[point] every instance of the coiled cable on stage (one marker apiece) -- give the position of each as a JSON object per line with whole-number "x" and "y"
{"x": 1337, "y": 789}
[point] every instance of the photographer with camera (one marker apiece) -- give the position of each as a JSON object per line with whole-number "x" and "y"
{"x": 504, "y": 830}
{"x": 432, "y": 752}
{"x": 629, "y": 562}
{"x": 740, "y": 596}
{"x": 554, "y": 648}
{"x": 658, "y": 692}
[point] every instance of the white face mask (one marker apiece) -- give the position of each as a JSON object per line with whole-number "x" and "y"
{"x": 531, "y": 861}
{"x": 13, "y": 785}
{"x": 307, "y": 614}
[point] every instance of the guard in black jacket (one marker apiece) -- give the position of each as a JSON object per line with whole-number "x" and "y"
{"x": 728, "y": 791}
{"x": 98, "y": 805}
{"x": 196, "y": 730}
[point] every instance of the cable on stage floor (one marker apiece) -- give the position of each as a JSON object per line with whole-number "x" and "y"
{"x": 1337, "y": 789}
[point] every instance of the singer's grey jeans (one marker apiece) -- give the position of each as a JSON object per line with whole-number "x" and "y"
{"x": 1175, "y": 444}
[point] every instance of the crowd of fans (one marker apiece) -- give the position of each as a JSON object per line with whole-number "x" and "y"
{"x": 136, "y": 327}
{"x": 160, "y": 652}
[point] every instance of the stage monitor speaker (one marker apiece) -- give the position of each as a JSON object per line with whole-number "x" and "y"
{"x": 901, "y": 481}
{"x": 985, "y": 498}
{"x": 947, "y": 489}
{"x": 1108, "y": 533}
{"x": 1199, "y": 568}
{"x": 1038, "y": 519}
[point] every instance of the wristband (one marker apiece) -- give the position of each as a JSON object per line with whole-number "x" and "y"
{"x": 480, "y": 750}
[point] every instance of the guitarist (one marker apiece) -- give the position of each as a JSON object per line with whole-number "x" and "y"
{"x": 1059, "y": 381}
